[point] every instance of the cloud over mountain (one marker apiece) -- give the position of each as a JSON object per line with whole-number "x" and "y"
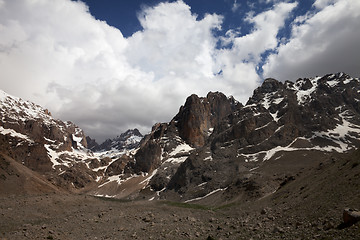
{"x": 57, "y": 54}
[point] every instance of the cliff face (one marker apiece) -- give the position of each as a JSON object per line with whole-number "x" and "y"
{"x": 197, "y": 118}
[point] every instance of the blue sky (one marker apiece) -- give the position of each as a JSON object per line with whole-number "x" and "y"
{"x": 111, "y": 65}
{"x": 124, "y": 14}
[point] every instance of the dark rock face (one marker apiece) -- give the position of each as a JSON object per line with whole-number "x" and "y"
{"x": 91, "y": 143}
{"x": 191, "y": 126}
{"x": 148, "y": 158}
{"x": 119, "y": 166}
{"x": 194, "y": 120}
{"x": 199, "y": 115}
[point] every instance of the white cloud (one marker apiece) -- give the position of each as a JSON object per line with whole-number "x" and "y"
{"x": 263, "y": 37}
{"x": 174, "y": 42}
{"x": 86, "y": 71}
{"x": 324, "y": 42}
{"x": 320, "y": 4}
{"x": 239, "y": 63}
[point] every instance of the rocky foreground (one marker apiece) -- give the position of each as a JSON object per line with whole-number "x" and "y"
{"x": 308, "y": 205}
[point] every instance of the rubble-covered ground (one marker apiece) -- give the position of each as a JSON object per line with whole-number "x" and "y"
{"x": 309, "y": 205}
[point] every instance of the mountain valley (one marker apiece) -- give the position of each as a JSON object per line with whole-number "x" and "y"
{"x": 283, "y": 166}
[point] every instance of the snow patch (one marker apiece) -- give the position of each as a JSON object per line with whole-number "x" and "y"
{"x": 305, "y": 95}
{"x": 252, "y": 169}
{"x": 207, "y": 195}
{"x": 266, "y": 100}
{"x": 275, "y": 116}
{"x": 264, "y": 126}
{"x": 210, "y": 131}
{"x": 278, "y": 100}
{"x": 333, "y": 83}
{"x": 176, "y": 160}
{"x": 118, "y": 178}
{"x": 182, "y": 148}
{"x": 202, "y": 184}
{"x": 13, "y": 133}
{"x": 147, "y": 180}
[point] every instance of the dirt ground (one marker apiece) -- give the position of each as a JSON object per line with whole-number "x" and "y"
{"x": 308, "y": 205}
{"x": 59, "y": 216}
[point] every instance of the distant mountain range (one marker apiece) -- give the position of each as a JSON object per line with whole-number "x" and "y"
{"x": 214, "y": 150}
{"x": 126, "y": 141}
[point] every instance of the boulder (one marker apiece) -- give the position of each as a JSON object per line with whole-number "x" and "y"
{"x": 351, "y": 216}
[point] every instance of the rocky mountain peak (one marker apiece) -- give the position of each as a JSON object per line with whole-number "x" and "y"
{"x": 269, "y": 85}
{"x": 125, "y": 141}
{"x": 198, "y": 116}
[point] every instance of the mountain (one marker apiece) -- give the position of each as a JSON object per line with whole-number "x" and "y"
{"x": 283, "y": 166}
{"x": 53, "y": 152}
{"x": 55, "y": 149}
{"x": 283, "y": 128}
{"x": 126, "y": 141}
{"x": 168, "y": 145}
{"x": 217, "y": 150}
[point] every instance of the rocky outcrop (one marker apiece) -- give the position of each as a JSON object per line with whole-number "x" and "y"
{"x": 198, "y": 116}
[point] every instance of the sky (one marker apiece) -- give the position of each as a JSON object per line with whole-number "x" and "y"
{"x": 110, "y": 65}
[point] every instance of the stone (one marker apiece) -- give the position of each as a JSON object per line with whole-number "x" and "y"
{"x": 212, "y": 219}
{"x": 264, "y": 211}
{"x": 191, "y": 219}
{"x": 351, "y": 216}
{"x": 278, "y": 229}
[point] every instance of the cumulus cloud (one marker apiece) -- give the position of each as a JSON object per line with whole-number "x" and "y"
{"x": 323, "y": 42}
{"x": 58, "y": 55}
